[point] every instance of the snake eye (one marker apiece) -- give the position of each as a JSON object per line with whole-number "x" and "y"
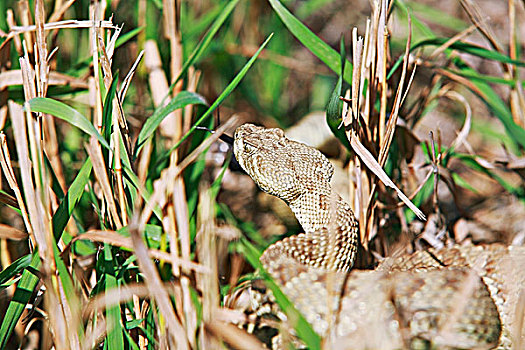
{"x": 249, "y": 148}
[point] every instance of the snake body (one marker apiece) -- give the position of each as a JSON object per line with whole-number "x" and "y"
{"x": 453, "y": 298}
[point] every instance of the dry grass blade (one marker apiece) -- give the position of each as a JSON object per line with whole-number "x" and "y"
{"x": 14, "y": 77}
{"x": 234, "y": 336}
{"x": 168, "y": 176}
{"x": 36, "y": 215}
{"x": 8, "y": 200}
{"x": 97, "y": 94}
{"x": 411, "y": 197}
{"x": 475, "y": 16}
{"x": 374, "y": 166}
{"x": 12, "y": 233}
{"x": 462, "y": 136}
{"x": 155, "y": 287}
{"x": 115, "y": 239}
{"x": 129, "y": 76}
{"x": 95, "y": 336}
{"x": 16, "y": 38}
{"x": 26, "y": 18}
{"x": 9, "y": 174}
{"x": 41, "y": 49}
{"x": 118, "y": 296}
{"x": 63, "y": 25}
{"x": 60, "y": 10}
{"x": 463, "y": 34}
{"x": 392, "y": 121}
{"x": 193, "y": 80}
{"x": 207, "y": 243}
{"x": 158, "y": 83}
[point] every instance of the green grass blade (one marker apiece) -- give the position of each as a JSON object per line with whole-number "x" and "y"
{"x": 307, "y": 8}
{"x": 71, "y": 199}
{"x": 458, "y": 180}
{"x": 434, "y": 15}
{"x": 84, "y": 63}
{"x": 69, "y": 289}
{"x": 55, "y": 184}
{"x": 134, "y": 180}
{"x": 66, "y": 113}
{"x": 471, "y": 162}
{"x": 115, "y": 339}
{"x": 319, "y": 48}
{"x": 131, "y": 342}
{"x": 302, "y": 327}
{"x": 124, "y": 38}
{"x": 484, "y": 78}
{"x": 334, "y": 107}
{"x": 231, "y": 86}
{"x": 107, "y": 113}
{"x": 462, "y": 47}
{"x": 497, "y": 106}
{"x": 182, "y": 99}
{"x": 13, "y": 269}
{"x": 471, "y": 49}
{"x": 22, "y": 295}
{"x": 206, "y": 40}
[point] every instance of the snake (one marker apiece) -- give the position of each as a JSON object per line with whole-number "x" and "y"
{"x": 460, "y": 297}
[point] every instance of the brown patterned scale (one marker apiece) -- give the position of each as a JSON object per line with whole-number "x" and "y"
{"x": 462, "y": 297}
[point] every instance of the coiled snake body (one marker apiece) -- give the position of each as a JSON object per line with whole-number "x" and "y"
{"x": 461, "y": 297}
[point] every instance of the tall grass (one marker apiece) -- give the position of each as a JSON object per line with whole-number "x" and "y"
{"x": 104, "y": 203}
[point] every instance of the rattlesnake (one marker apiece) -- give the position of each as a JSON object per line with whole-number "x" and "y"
{"x": 460, "y": 297}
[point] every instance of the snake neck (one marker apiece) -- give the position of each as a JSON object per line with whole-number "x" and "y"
{"x": 331, "y": 233}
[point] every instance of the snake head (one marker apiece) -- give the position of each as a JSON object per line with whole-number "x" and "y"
{"x": 264, "y": 155}
{"x": 280, "y": 166}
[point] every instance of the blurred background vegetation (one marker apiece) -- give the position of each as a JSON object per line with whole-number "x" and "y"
{"x": 103, "y": 165}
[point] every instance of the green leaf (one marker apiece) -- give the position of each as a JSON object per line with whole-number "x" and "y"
{"x": 302, "y": 327}
{"x": 497, "y": 106}
{"x": 231, "y": 86}
{"x": 107, "y": 113}
{"x": 22, "y": 295}
{"x": 319, "y": 48}
{"x": 66, "y": 113}
{"x": 131, "y": 341}
{"x": 69, "y": 289}
{"x": 484, "y": 78}
{"x": 182, "y": 99}
{"x": 471, "y": 162}
{"x": 124, "y": 38}
{"x": 334, "y": 107}
{"x": 471, "y": 49}
{"x": 13, "y": 269}
{"x": 206, "y": 40}
{"x": 204, "y": 43}
{"x": 115, "y": 339}
{"x": 134, "y": 323}
{"x": 463, "y": 183}
{"x": 71, "y": 199}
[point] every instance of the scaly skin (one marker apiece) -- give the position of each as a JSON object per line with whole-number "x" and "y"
{"x": 412, "y": 301}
